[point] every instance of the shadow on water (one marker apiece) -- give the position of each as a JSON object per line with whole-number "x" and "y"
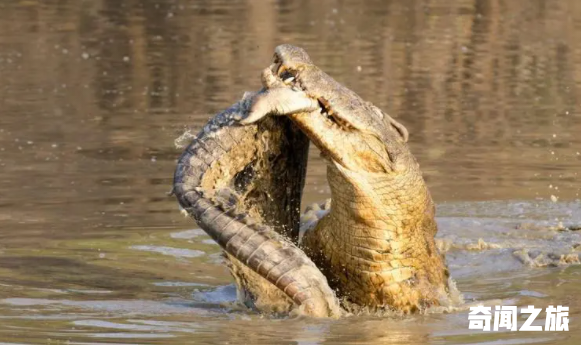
{"x": 93, "y": 94}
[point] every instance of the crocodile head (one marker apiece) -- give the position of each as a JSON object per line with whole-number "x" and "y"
{"x": 343, "y": 118}
{"x": 376, "y": 246}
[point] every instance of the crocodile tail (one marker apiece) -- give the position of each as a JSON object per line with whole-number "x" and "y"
{"x": 257, "y": 246}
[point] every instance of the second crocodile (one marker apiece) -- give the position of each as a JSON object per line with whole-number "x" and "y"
{"x": 243, "y": 186}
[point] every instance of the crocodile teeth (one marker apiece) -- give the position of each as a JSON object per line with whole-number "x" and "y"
{"x": 289, "y": 80}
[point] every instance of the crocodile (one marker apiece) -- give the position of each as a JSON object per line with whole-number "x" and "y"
{"x": 376, "y": 244}
{"x": 243, "y": 186}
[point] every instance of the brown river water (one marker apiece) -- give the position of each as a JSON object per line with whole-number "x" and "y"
{"x": 93, "y": 93}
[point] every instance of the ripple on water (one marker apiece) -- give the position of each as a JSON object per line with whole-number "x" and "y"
{"x": 121, "y": 306}
{"x": 188, "y": 234}
{"x": 179, "y": 284}
{"x": 139, "y": 325}
{"x": 171, "y": 251}
{"x": 221, "y": 294}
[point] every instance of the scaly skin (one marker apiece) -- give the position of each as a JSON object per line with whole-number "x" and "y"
{"x": 376, "y": 246}
{"x": 227, "y": 180}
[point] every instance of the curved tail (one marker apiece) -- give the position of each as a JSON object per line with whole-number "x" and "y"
{"x": 258, "y": 246}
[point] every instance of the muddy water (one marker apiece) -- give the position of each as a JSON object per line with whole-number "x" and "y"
{"x": 93, "y": 93}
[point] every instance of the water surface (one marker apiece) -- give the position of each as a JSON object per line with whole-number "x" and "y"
{"x": 93, "y": 93}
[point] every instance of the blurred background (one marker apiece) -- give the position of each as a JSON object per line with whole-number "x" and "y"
{"x": 93, "y": 94}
